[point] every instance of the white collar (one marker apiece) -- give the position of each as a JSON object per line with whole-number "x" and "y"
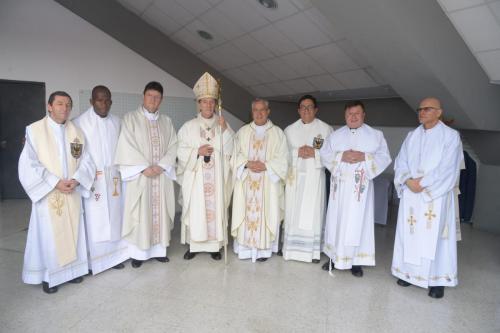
{"x": 150, "y": 115}
{"x": 209, "y": 123}
{"x": 430, "y": 130}
{"x": 55, "y": 125}
{"x": 96, "y": 116}
{"x": 309, "y": 124}
{"x": 355, "y": 130}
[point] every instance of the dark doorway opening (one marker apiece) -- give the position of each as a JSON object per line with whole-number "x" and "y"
{"x": 21, "y": 103}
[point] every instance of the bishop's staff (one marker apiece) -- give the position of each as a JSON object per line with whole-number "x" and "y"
{"x": 221, "y": 149}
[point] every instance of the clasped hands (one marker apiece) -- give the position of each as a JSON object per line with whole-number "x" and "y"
{"x": 353, "y": 156}
{"x": 306, "y": 152}
{"x": 205, "y": 150}
{"x": 414, "y": 185}
{"x": 153, "y": 171}
{"x": 256, "y": 166}
{"x": 67, "y": 186}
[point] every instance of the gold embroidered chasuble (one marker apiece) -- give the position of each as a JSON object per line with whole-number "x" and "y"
{"x": 258, "y": 199}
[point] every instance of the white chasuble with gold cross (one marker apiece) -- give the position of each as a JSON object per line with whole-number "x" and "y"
{"x": 425, "y": 244}
{"x": 202, "y": 183}
{"x": 147, "y": 139}
{"x": 103, "y": 209}
{"x": 349, "y": 227}
{"x": 258, "y": 199}
{"x": 55, "y": 247}
{"x": 305, "y": 192}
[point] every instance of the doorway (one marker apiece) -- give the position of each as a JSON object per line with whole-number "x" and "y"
{"x": 21, "y": 103}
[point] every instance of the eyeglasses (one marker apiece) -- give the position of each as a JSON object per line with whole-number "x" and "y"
{"x": 427, "y": 109}
{"x": 307, "y": 107}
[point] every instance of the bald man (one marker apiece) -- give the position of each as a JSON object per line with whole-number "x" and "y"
{"x": 426, "y": 171}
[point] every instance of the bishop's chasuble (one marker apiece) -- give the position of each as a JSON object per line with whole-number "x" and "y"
{"x": 202, "y": 183}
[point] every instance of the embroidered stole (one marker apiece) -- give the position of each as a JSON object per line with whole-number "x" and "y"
{"x": 64, "y": 209}
{"x": 254, "y": 193}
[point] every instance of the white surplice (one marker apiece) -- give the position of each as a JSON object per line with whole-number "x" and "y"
{"x": 349, "y": 226}
{"x": 258, "y": 198}
{"x": 103, "y": 209}
{"x": 147, "y": 139}
{"x": 425, "y": 249}
{"x": 305, "y": 192}
{"x": 203, "y": 211}
{"x": 41, "y": 263}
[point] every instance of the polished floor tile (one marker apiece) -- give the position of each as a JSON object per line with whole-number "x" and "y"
{"x": 202, "y": 295}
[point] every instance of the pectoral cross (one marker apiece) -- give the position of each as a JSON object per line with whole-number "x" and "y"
{"x": 430, "y": 215}
{"x": 115, "y": 182}
{"x": 412, "y": 222}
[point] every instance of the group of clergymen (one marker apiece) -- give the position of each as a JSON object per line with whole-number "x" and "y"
{"x": 103, "y": 189}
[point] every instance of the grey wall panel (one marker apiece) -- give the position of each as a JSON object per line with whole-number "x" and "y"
{"x": 487, "y": 210}
{"x": 486, "y": 145}
{"x": 418, "y": 52}
{"x": 379, "y": 112}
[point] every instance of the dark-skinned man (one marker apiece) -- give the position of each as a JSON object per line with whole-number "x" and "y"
{"x": 103, "y": 209}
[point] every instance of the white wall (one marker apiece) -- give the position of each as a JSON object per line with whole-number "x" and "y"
{"x": 42, "y": 41}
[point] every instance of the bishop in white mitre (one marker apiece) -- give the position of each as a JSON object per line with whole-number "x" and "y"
{"x": 426, "y": 173}
{"x": 146, "y": 154}
{"x": 305, "y": 191}
{"x": 204, "y": 173}
{"x": 55, "y": 170}
{"x": 355, "y": 154}
{"x": 103, "y": 209}
{"x": 260, "y": 164}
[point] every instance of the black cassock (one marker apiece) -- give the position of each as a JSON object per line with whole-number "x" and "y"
{"x": 467, "y": 189}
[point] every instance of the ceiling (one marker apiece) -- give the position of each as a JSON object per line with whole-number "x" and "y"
{"x": 478, "y": 22}
{"x": 275, "y": 53}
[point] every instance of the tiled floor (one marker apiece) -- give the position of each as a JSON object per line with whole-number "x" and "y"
{"x": 275, "y": 296}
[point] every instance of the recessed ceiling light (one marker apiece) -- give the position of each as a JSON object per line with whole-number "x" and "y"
{"x": 270, "y": 4}
{"x": 205, "y": 35}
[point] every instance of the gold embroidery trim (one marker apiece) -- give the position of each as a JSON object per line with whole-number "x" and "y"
{"x": 57, "y": 203}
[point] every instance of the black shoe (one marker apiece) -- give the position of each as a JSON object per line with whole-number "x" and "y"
{"x": 316, "y": 261}
{"x": 76, "y": 280}
{"x": 136, "y": 263}
{"x": 357, "y": 271}
{"x": 189, "y": 255}
{"x": 119, "y": 266}
{"x": 262, "y": 259}
{"x": 216, "y": 255}
{"x": 436, "y": 292}
{"x": 90, "y": 272}
{"x": 280, "y": 253}
{"x": 162, "y": 259}
{"x": 326, "y": 266}
{"x": 403, "y": 283}
{"x": 46, "y": 289}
